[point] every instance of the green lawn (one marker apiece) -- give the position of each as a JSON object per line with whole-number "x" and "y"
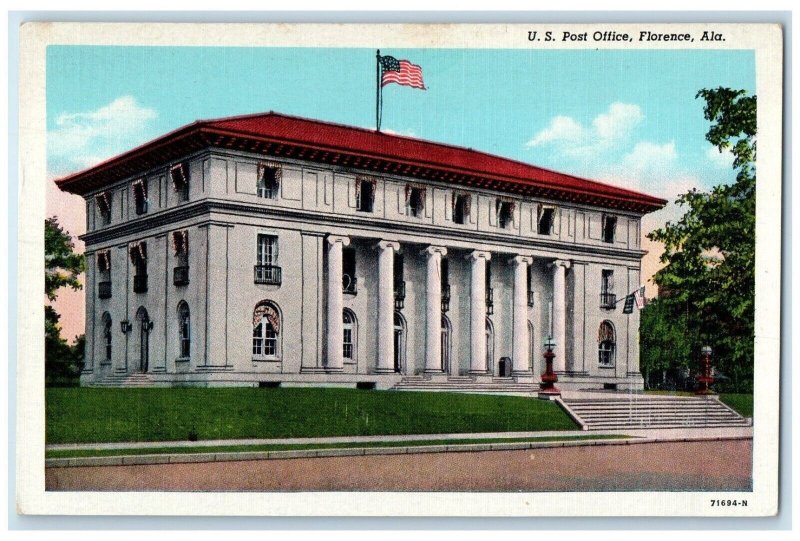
{"x": 742, "y": 403}
{"x": 87, "y": 415}
{"x": 79, "y": 453}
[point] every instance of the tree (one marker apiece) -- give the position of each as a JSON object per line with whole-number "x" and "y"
{"x": 709, "y": 253}
{"x": 62, "y": 265}
{"x": 63, "y": 363}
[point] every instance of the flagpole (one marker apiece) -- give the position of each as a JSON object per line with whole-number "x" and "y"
{"x": 378, "y": 90}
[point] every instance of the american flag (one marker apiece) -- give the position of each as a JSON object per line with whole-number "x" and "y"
{"x": 401, "y": 72}
{"x": 638, "y": 295}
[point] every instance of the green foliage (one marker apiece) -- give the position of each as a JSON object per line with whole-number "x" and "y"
{"x": 665, "y": 340}
{"x": 63, "y": 363}
{"x": 62, "y": 265}
{"x": 168, "y": 414}
{"x": 707, "y": 286}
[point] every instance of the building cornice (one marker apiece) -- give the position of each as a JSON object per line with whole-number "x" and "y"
{"x": 283, "y": 137}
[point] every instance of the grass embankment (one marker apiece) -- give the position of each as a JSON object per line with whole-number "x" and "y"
{"x": 89, "y": 415}
{"x": 79, "y": 453}
{"x": 740, "y": 402}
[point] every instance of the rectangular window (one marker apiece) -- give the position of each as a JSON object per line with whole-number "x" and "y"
{"x": 415, "y": 201}
{"x": 139, "y": 259}
{"x": 104, "y": 272}
{"x": 268, "y": 181}
{"x": 609, "y": 228}
{"x": 365, "y": 195}
{"x": 607, "y": 297}
{"x": 505, "y": 213}
{"x": 180, "y": 180}
{"x": 140, "y": 196}
{"x": 267, "y": 250}
{"x": 180, "y": 244}
{"x": 104, "y": 202}
{"x": 461, "y": 204}
{"x": 349, "y": 270}
{"x": 267, "y": 270}
{"x": 545, "y": 220}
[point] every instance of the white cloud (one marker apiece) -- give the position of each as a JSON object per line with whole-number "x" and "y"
{"x": 618, "y": 122}
{"x": 652, "y": 158}
{"x": 571, "y": 138}
{"x": 85, "y": 138}
{"x": 720, "y": 160}
{"x": 561, "y": 128}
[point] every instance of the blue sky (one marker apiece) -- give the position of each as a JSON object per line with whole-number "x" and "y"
{"x": 628, "y": 117}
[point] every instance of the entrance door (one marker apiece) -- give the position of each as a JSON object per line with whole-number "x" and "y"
{"x": 399, "y": 342}
{"x": 445, "y": 345}
{"x": 144, "y": 339}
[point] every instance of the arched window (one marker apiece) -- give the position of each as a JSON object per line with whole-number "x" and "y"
{"x": 184, "y": 330}
{"x": 145, "y": 326}
{"x": 349, "y": 335}
{"x": 399, "y": 342}
{"x": 489, "y": 346}
{"x": 107, "y": 336}
{"x": 606, "y": 339}
{"x": 266, "y": 330}
{"x": 446, "y": 333}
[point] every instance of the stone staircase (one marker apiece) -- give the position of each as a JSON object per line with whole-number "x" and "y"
{"x": 135, "y": 379}
{"x": 642, "y": 412}
{"x": 465, "y": 384}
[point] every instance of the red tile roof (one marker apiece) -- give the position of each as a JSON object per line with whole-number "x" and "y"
{"x": 378, "y": 152}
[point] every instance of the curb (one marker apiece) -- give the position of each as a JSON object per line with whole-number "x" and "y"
{"x": 162, "y": 459}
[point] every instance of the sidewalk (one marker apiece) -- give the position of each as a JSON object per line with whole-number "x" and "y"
{"x": 628, "y": 437}
{"x": 666, "y": 434}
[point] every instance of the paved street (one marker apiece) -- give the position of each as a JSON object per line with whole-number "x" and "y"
{"x": 698, "y": 465}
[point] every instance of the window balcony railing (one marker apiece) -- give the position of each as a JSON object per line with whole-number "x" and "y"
{"x": 180, "y": 275}
{"x": 104, "y": 290}
{"x": 531, "y": 297}
{"x": 140, "y": 283}
{"x": 445, "y": 297}
{"x": 399, "y": 294}
{"x": 608, "y": 300}
{"x": 489, "y": 301}
{"x": 268, "y": 274}
{"x": 349, "y": 284}
{"x": 141, "y": 207}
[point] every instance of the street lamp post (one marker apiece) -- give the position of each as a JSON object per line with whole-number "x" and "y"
{"x": 706, "y": 379}
{"x": 549, "y": 378}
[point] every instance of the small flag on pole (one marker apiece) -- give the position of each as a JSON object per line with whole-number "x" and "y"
{"x": 628, "y": 308}
{"x": 639, "y": 296}
{"x": 401, "y": 72}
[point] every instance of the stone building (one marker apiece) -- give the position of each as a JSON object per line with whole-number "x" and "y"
{"x": 269, "y": 249}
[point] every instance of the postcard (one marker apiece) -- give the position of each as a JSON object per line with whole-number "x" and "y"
{"x": 399, "y": 270}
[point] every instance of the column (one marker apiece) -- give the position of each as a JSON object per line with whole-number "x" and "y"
{"x": 560, "y": 267}
{"x": 385, "y": 348}
{"x": 92, "y": 323}
{"x": 521, "y": 341}
{"x": 477, "y": 311}
{"x": 433, "y": 310}
{"x": 335, "y": 326}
